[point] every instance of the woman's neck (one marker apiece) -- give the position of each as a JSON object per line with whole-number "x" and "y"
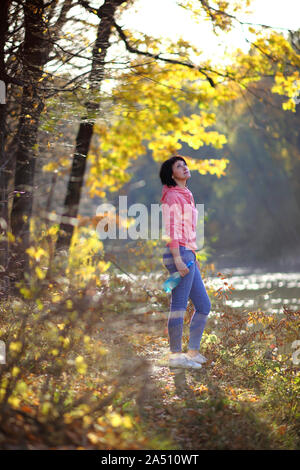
{"x": 182, "y": 184}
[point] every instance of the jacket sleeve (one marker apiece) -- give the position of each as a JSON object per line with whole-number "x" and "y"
{"x": 173, "y": 220}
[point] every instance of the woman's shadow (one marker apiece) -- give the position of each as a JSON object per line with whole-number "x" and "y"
{"x": 182, "y": 386}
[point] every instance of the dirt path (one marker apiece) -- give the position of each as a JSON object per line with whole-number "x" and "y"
{"x": 202, "y": 409}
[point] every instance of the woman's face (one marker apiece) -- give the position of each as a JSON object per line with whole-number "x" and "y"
{"x": 180, "y": 171}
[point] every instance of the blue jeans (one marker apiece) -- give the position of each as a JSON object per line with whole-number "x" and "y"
{"x": 190, "y": 286}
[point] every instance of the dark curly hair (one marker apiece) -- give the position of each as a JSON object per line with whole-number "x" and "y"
{"x": 165, "y": 173}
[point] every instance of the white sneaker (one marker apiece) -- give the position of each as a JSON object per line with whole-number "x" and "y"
{"x": 183, "y": 361}
{"x": 198, "y": 358}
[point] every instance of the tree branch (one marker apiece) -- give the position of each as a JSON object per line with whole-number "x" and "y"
{"x": 133, "y": 50}
{"x": 209, "y": 8}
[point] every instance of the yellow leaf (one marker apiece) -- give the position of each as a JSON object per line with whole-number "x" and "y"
{"x": 56, "y": 298}
{"x": 92, "y": 437}
{"x": 115, "y": 419}
{"x": 81, "y": 366}
{"x": 46, "y": 407}
{"x": 15, "y": 371}
{"x": 40, "y": 273}
{"x": 40, "y": 304}
{"x": 14, "y": 402}
{"x": 53, "y": 230}
{"x": 65, "y": 341}
{"x": 10, "y": 237}
{"x": 15, "y": 346}
{"x": 79, "y": 360}
{"x": 127, "y": 422}
{"x": 21, "y": 387}
{"x": 87, "y": 421}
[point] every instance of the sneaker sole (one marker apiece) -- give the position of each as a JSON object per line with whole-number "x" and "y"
{"x": 185, "y": 366}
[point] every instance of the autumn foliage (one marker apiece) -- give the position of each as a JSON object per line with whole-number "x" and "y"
{"x": 79, "y": 355}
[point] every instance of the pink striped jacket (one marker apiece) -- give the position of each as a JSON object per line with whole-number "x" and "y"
{"x": 179, "y": 216}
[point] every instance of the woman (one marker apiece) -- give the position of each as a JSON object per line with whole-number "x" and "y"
{"x": 180, "y": 218}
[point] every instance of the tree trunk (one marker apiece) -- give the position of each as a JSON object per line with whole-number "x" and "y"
{"x": 35, "y": 54}
{"x": 36, "y": 49}
{"x": 3, "y": 162}
{"x": 106, "y": 14}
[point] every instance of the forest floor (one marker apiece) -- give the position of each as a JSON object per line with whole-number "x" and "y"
{"x": 219, "y": 406}
{"x": 246, "y": 397}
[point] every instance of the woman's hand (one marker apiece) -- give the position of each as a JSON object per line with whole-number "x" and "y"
{"x": 181, "y": 268}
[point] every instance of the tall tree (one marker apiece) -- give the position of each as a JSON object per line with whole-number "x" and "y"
{"x": 106, "y": 14}
{"x": 222, "y": 83}
{"x": 5, "y": 79}
{"x": 3, "y": 185}
{"x": 36, "y": 47}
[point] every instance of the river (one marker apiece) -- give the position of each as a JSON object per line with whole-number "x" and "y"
{"x": 253, "y": 290}
{"x": 268, "y": 291}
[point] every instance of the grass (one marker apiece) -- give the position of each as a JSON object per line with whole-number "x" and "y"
{"x": 90, "y": 372}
